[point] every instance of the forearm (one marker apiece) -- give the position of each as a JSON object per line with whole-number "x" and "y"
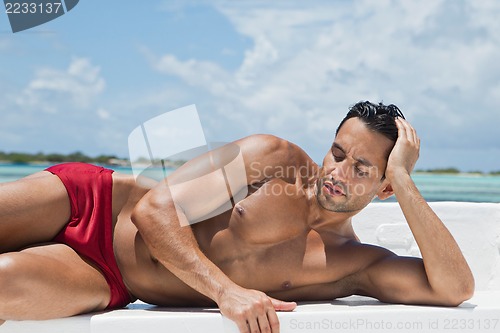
{"x": 447, "y": 270}
{"x": 171, "y": 241}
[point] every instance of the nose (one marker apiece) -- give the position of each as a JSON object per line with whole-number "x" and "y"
{"x": 339, "y": 171}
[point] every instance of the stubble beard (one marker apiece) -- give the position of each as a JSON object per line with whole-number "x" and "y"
{"x": 349, "y": 205}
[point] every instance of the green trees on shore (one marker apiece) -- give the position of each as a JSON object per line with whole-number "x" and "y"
{"x": 454, "y": 171}
{"x": 25, "y": 158}
{"x": 440, "y": 170}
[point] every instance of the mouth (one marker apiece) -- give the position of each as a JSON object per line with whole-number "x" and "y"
{"x": 333, "y": 190}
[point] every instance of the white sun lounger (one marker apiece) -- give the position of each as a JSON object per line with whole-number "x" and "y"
{"x": 476, "y": 228}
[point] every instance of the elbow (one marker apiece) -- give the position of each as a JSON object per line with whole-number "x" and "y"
{"x": 137, "y": 214}
{"x": 143, "y": 211}
{"x": 460, "y": 294}
{"x": 154, "y": 210}
{"x": 455, "y": 300}
{"x": 467, "y": 287}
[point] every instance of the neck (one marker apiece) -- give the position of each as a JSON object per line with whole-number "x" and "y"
{"x": 322, "y": 219}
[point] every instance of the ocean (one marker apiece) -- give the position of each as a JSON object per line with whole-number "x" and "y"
{"x": 434, "y": 187}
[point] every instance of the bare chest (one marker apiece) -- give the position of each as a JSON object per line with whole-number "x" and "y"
{"x": 264, "y": 242}
{"x": 271, "y": 213}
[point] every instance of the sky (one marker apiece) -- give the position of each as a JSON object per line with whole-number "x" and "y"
{"x": 84, "y": 81}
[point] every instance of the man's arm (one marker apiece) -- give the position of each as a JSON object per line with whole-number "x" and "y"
{"x": 442, "y": 276}
{"x": 161, "y": 215}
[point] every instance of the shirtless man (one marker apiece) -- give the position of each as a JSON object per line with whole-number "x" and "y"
{"x": 290, "y": 239}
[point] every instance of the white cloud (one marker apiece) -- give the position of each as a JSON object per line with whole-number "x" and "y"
{"x": 103, "y": 114}
{"x": 197, "y": 73}
{"x": 75, "y": 87}
{"x": 5, "y": 44}
{"x": 306, "y": 62}
{"x": 437, "y": 60}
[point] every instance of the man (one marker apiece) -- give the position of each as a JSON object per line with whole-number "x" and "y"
{"x": 289, "y": 238}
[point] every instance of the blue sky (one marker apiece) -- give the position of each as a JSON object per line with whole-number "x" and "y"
{"x": 84, "y": 81}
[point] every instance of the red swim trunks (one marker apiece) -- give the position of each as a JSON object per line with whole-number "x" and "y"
{"x": 90, "y": 229}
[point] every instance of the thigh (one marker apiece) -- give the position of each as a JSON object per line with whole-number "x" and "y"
{"x": 32, "y": 210}
{"x": 49, "y": 281}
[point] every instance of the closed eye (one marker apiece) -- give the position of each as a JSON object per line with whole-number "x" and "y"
{"x": 337, "y": 157}
{"x": 360, "y": 172}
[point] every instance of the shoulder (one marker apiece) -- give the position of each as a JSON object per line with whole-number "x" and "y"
{"x": 270, "y": 147}
{"x": 269, "y": 156}
{"x": 265, "y": 142}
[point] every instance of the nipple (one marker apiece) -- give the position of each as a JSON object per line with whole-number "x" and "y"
{"x": 240, "y": 210}
{"x": 286, "y": 285}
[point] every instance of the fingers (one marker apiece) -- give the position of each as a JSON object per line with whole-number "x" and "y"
{"x": 273, "y": 321}
{"x": 406, "y": 130}
{"x": 253, "y": 311}
{"x": 264, "y": 326}
{"x": 406, "y": 150}
{"x": 261, "y": 319}
{"x": 264, "y": 323}
{"x": 267, "y": 321}
{"x": 253, "y": 325}
{"x": 282, "y": 306}
{"x": 243, "y": 326}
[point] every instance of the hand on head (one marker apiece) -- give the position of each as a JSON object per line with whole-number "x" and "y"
{"x": 405, "y": 153}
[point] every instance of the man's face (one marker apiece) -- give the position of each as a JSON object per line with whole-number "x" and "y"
{"x": 353, "y": 168}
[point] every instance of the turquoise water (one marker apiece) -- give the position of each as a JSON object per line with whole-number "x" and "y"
{"x": 459, "y": 187}
{"x": 433, "y": 187}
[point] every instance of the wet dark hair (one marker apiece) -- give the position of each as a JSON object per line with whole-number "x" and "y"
{"x": 379, "y": 118}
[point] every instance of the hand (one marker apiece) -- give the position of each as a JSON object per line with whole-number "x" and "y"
{"x": 252, "y": 310}
{"x": 405, "y": 153}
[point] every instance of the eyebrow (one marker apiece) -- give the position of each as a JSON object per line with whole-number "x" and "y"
{"x": 360, "y": 160}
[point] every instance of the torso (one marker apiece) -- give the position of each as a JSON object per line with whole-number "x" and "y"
{"x": 263, "y": 243}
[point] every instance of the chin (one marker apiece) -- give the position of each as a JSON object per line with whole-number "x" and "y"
{"x": 349, "y": 206}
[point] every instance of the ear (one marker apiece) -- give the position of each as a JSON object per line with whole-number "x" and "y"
{"x": 385, "y": 191}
